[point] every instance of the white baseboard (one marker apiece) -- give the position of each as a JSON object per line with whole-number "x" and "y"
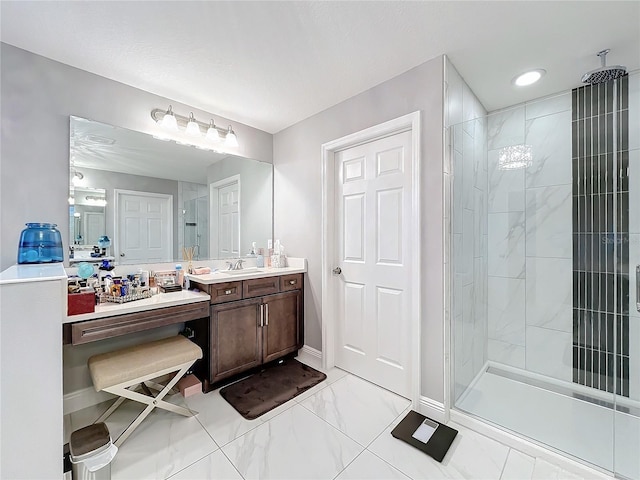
{"x": 432, "y": 409}
{"x": 310, "y": 356}
{"x": 311, "y": 351}
{"x": 83, "y": 398}
{"x": 528, "y": 447}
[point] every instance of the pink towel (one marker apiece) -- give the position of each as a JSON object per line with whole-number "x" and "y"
{"x": 201, "y": 270}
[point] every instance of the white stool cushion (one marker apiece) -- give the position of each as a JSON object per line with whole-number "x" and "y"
{"x": 113, "y": 368}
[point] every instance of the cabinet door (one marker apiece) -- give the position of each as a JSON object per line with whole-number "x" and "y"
{"x": 282, "y": 317}
{"x": 236, "y": 343}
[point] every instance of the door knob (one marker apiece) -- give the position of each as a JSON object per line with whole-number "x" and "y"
{"x": 122, "y": 254}
{"x": 337, "y": 271}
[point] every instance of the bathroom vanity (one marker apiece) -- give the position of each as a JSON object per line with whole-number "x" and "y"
{"x": 241, "y": 319}
{"x": 255, "y": 318}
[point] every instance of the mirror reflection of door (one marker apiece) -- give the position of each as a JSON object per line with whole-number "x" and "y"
{"x": 225, "y": 213}
{"x": 144, "y": 227}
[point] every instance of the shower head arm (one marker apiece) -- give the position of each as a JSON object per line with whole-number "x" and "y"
{"x": 603, "y": 57}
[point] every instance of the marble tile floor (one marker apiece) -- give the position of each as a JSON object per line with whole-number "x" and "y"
{"x": 340, "y": 429}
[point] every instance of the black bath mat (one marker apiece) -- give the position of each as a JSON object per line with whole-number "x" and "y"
{"x": 264, "y": 391}
{"x": 436, "y": 446}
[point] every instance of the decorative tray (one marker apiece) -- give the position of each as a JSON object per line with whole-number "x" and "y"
{"x": 105, "y": 298}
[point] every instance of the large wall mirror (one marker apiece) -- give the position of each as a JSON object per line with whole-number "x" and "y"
{"x": 156, "y": 199}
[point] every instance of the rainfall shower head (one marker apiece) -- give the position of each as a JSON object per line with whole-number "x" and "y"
{"x": 604, "y": 73}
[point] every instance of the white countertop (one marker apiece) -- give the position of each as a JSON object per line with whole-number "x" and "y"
{"x": 222, "y": 276}
{"x": 161, "y": 300}
{"x": 41, "y": 272}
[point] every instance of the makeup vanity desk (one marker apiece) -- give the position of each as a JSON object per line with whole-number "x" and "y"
{"x": 115, "y": 319}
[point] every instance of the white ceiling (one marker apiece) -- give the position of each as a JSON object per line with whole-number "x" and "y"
{"x": 272, "y": 64}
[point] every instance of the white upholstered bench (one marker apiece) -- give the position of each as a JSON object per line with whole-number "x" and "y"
{"x": 121, "y": 371}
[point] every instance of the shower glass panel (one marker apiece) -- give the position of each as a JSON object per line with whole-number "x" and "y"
{"x": 194, "y": 219}
{"x": 545, "y": 239}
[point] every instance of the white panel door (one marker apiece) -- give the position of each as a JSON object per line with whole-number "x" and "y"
{"x": 145, "y": 233}
{"x": 228, "y": 221}
{"x": 373, "y": 206}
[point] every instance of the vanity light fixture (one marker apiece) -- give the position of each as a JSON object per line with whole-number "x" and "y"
{"x": 231, "y": 140}
{"x": 192, "y": 127}
{"x": 168, "y": 121}
{"x": 93, "y": 200}
{"x": 212, "y": 132}
{"x": 77, "y": 178}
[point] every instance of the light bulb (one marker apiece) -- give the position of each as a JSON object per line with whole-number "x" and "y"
{"x": 169, "y": 120}
{"x": 78, "y": 178}
{"x": 231, "y": 140}
{"x": 192, "y": 127}
{"x": 212, "y": 132}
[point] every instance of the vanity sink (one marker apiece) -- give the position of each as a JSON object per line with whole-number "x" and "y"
{"x": 243, "y": 271}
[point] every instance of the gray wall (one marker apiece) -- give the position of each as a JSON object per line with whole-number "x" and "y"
{"x": 38, "y": 95}
{"x": 298, "y": 197}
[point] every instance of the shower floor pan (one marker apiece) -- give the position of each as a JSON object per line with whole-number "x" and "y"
{"x": 583, "y": 429}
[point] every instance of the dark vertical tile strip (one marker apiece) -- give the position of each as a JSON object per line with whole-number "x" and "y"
{"x": 600, "y": 207}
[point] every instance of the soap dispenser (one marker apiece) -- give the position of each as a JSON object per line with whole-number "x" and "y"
{"x": 260, "y": 258}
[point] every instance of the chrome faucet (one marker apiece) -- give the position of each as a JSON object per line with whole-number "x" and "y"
{"x": 237, "y": 265}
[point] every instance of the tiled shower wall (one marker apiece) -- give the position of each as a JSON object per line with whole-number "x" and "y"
{"x": 530, "y": 251}
{"x": 465, "y": 175}
{"x": 600, "y": 154}
{"x": 530, "y": 240}
{"x": 525, "y": 247}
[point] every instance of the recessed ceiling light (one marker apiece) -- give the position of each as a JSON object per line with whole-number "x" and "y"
{"x": 528, "y": 78}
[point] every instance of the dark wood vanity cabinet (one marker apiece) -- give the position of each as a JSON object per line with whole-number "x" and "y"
{"x": 241, "y": 335}
{"x": 235, "y": 338}
{"x": 281, "y": 330}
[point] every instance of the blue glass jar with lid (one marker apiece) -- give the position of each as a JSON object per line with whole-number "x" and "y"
{"x": 40, "y": 243}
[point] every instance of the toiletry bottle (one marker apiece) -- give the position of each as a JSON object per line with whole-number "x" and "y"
{"x": 179, "y": 275}
{"x": 269, "y": 252}
{"x": 260, "y": 258}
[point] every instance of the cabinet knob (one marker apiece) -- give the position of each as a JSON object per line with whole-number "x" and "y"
{"x": 227, "y": 292}
{"x": 292, "y": 282}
